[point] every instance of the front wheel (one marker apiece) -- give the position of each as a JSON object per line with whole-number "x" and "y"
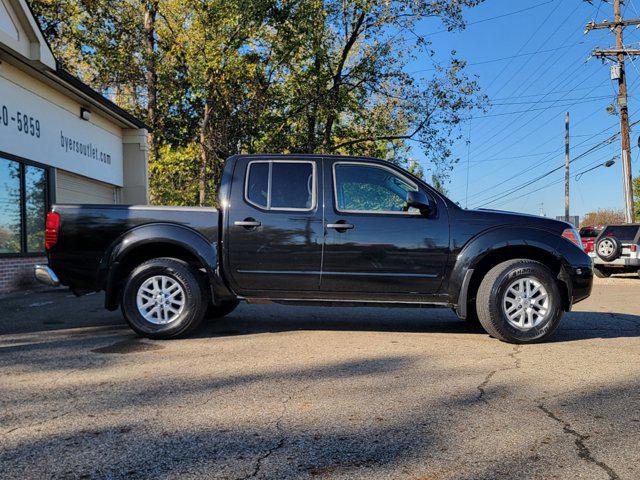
{"x": 519, "y": 302}
{"x": 164, "y": 298}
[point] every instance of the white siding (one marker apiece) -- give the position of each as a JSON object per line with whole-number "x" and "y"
{"x": 71, "y": 188}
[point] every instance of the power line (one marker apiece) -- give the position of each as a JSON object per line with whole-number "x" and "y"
{"x": 555, "y": 81}
{"x": 541, "y": 73}
{"x": 544, "y": 94}
{"x": 496, "y": 197}
{"x": 562, "y": 23}
{"x": 502, "y": 59}
{"x": 587, "y": 168}
{"x": 534, "y": 166}
{"x": 599, "y": 97}
{"x": 525, "y": 44}
{"x": 531, "y": 132}
{"x": 483, "y": 20}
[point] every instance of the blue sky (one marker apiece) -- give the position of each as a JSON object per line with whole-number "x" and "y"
{"x": 521, "y": 137}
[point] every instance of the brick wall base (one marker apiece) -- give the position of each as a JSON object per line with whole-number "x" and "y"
{"x": 17, "y": 273}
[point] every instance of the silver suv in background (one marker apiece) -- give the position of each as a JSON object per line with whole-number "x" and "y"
{"x": 616, "y": 250}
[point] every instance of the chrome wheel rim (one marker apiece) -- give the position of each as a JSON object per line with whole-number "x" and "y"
{"x": 526, "y": 304}
{"x": 605, "y": 248}
{"x": 160, "y": 299}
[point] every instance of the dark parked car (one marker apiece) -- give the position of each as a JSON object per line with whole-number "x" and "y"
{"x": 616, "y": 250}
{"x": 319, "y": 230}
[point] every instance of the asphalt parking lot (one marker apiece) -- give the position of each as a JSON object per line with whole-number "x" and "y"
{"x": 295, "y": 392}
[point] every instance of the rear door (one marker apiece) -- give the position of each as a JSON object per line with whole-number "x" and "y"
{"x": 375, "y": 247}
{"x": 275, "y": 228}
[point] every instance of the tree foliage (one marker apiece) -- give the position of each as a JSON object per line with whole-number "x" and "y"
{"x": 636, "y": 197}
{"x": 603, "y": 216}
{"x": 219, "y": 77}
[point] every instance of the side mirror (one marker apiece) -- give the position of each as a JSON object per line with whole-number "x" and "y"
{"x": 420, "y": 201}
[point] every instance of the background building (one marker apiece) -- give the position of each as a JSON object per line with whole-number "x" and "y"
{"x": 60, "y": 141}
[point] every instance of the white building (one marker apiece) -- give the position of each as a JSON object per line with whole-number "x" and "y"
{"x": 60, "y": 141}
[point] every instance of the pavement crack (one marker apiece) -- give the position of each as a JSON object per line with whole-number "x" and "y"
{"x": 583, "y": 451}
{"x": 258, "y": 464}
{"x": 517, "y": 349}
{"x": 482, "y": 387}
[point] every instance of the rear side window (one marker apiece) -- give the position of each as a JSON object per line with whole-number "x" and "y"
{"x": 257, "y": 189}
{"x": 624, "y": 233}
{"x": 281, "y": 185}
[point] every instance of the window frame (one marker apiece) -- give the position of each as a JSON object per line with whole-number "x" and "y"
{"x": 48, "y": 198}
{"x": 268, "y": 207}
{"x": 404, "y": 178}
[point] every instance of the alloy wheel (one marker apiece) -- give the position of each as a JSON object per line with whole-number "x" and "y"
{"x": 160, "y": 299}
{"x": 526, "y": 303}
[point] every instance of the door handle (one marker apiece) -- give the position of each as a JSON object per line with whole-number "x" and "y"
{"x": 247, "y": 223}
{"x": 340, "y": 226}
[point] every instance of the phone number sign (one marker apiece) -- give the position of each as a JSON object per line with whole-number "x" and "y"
{"x": 37, "y": 129}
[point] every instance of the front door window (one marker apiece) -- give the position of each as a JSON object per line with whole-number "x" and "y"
{"x": 371, "y": 189}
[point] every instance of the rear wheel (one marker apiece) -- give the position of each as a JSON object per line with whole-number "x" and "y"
{"x": 601, "y": 272}
{"x": 519, "y": 302}
{"x": 164, "y": 298}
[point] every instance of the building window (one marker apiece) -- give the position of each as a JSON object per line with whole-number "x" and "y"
{"x": 10, "y": 214}
{"x": 23, "y": 207}
{"x": 35, "y": 201}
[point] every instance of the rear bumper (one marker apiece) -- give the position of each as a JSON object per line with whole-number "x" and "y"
{"x": 45, "y": 275}
{"x": 618, "y": 262}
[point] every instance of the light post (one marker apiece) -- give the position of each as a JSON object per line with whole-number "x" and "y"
{"x": 606, "y": 164}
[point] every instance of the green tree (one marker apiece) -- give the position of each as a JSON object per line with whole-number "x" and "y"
{"x": 636, "y": 198}
{"x": 219, "y": 77}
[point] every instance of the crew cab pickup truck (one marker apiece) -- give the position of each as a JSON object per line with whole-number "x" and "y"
{"x": 319, "y": 230}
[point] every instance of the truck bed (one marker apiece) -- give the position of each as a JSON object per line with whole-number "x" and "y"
{"x": 87, "y": 233}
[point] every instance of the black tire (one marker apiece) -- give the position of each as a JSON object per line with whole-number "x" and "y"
{"x": 194, "y": 295}
{"x": 223, "y": 309}
{"x": 616, "y": 248}
{"x": 492, "y": 291}
{"x": 601, "y": 272}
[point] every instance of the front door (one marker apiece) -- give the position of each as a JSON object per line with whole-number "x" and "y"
{"x": 275, "y": 225}
{"x": 374, "y": 244}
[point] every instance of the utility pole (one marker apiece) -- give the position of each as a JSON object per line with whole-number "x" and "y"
{"x": 566, "y": 167}
{"x": 618, "y": 73}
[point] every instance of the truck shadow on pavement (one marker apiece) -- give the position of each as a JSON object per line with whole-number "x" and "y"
{"x": 248, "y": 320}
{"x": 58, "y": 310}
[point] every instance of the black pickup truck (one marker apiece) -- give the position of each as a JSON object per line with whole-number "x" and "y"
{"x": 319, "y": 230}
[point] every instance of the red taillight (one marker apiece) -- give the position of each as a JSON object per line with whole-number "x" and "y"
{"x": 51, "y": 230}
{"x": 571, "y": 235}
{"x": 587, "y": 246}
{"x": 633, "y": 248}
